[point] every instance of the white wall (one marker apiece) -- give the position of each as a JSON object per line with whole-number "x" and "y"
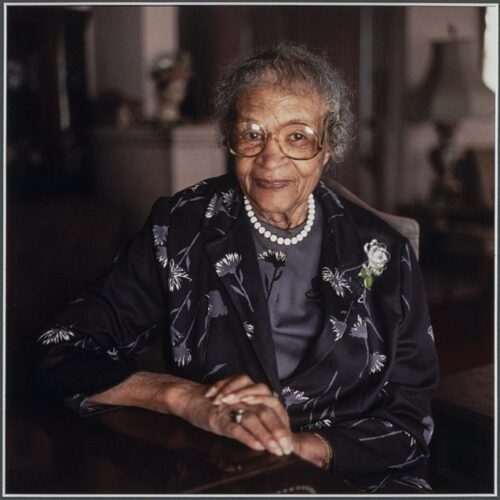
{"x": 126, "y": 42}
{"x": 159, "y": 35}
{"x": 424, "y": 25}
{"x": 118, "y": 49}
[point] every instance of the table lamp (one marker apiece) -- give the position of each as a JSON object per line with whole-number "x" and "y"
{"x": 452, "y": 90}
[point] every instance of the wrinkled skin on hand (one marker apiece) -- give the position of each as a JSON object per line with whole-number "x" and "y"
{"x": 264, "y": 426}
{"x": 272, "y": 425}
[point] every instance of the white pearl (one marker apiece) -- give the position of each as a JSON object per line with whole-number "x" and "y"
{"x": 278, "y": 239}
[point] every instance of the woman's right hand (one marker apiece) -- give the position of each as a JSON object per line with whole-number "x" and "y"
{"x": 264, "y": 425}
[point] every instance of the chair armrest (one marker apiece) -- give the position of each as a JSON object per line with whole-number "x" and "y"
{"x": 404, "y": 225}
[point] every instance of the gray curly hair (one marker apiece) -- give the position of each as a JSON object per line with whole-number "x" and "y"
{"x": 291, "y": 67}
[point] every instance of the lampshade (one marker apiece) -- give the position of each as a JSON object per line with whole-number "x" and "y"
{"x": 453, "y": 88}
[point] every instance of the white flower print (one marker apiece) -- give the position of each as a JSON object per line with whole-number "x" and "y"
{"x": 320, "y": 424}
{"x": 175, "y": 275}
{"x": 428, "y": 422}
{"x": 336, "y": 280}
{"x": 216, "y": 306}
{"x": 377, "y": 362}
{"x": 113, "y": 353}
{"x": 430, "y": 332}
{"x": 249, "y": 329}
{"x": 160, "y": 234}
{"x": 228, "y": 264}
{"x": 338, "y": 327}
{"x": 182, "y": 354}
{"x": 197, "y": 185}
{"x": 213, "y": 207}
{"x": 228, "y": 197}
{"x": 411, "y": 438}
{"x": 161, "y": 256}
{"x": 56, "y": 335}
{"x": 378, "y": 256}
{"x": 293, "y": 396}
{"x": 275, "y": 257}
{"x": 359, "y": 330}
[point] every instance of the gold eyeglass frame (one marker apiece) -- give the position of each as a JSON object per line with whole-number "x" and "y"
{"x": 272, "y": 135}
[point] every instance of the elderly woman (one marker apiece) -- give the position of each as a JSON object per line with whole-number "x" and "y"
{"x": 292, "y": 320}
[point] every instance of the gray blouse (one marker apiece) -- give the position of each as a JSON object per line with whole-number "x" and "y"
{"x": 290, "y": 276}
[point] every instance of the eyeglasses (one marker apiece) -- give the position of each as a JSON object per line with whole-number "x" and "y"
{"x": 297, "y": 141}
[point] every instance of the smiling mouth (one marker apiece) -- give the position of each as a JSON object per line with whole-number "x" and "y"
{"x": 264, "y": 184}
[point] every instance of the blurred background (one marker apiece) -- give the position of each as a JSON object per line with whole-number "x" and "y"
{"x": 108, "y": 108}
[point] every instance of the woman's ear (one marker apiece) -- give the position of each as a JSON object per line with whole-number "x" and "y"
{"x": 326, "y": 159}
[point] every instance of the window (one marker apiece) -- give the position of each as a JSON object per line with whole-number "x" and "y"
{"x": 490, "y": 61}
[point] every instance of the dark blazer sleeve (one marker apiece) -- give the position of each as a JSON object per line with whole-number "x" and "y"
{"x": 397, "y": 432}
{"x": 91, "y": 345}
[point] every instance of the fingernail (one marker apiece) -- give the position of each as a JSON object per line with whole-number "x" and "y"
{"x": 249, "y": 399}
{"x": 230, "y": 398}
{"x": 210, "y": 392}
{"x": 259, "y": 446}
{"x": 286, "y": 445}
{"x": 275, "y": 448}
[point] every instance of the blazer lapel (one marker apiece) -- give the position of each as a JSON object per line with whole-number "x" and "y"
{"x": 234, "y": 259}
{"x": 340, "y": 286}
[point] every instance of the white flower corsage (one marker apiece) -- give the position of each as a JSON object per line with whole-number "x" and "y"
{"x": 378, "y": 257}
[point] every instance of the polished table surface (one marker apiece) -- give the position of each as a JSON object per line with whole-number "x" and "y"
{"x": 50, "y": 450}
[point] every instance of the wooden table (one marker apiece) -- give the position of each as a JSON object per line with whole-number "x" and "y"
{"x": 50, "y": 450}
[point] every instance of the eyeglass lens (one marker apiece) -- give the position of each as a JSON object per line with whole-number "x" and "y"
{"x": 296, "y": 140}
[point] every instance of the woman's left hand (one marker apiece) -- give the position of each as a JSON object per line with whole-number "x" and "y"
{"x": 241, "y": 388}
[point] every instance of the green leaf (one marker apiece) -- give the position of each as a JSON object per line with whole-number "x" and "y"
{"x": 368, "y": 282}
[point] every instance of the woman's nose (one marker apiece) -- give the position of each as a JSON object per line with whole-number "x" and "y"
{"x": 271, "y": 156}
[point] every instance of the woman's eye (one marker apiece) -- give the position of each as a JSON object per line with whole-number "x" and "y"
{"x": 252, "y": 136}
{"x": 298, "y": 138}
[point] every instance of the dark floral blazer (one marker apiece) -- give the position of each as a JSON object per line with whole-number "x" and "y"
{"x": 191, "y": 276}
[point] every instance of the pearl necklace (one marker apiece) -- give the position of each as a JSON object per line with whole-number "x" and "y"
{"x": 311, "y": 212}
